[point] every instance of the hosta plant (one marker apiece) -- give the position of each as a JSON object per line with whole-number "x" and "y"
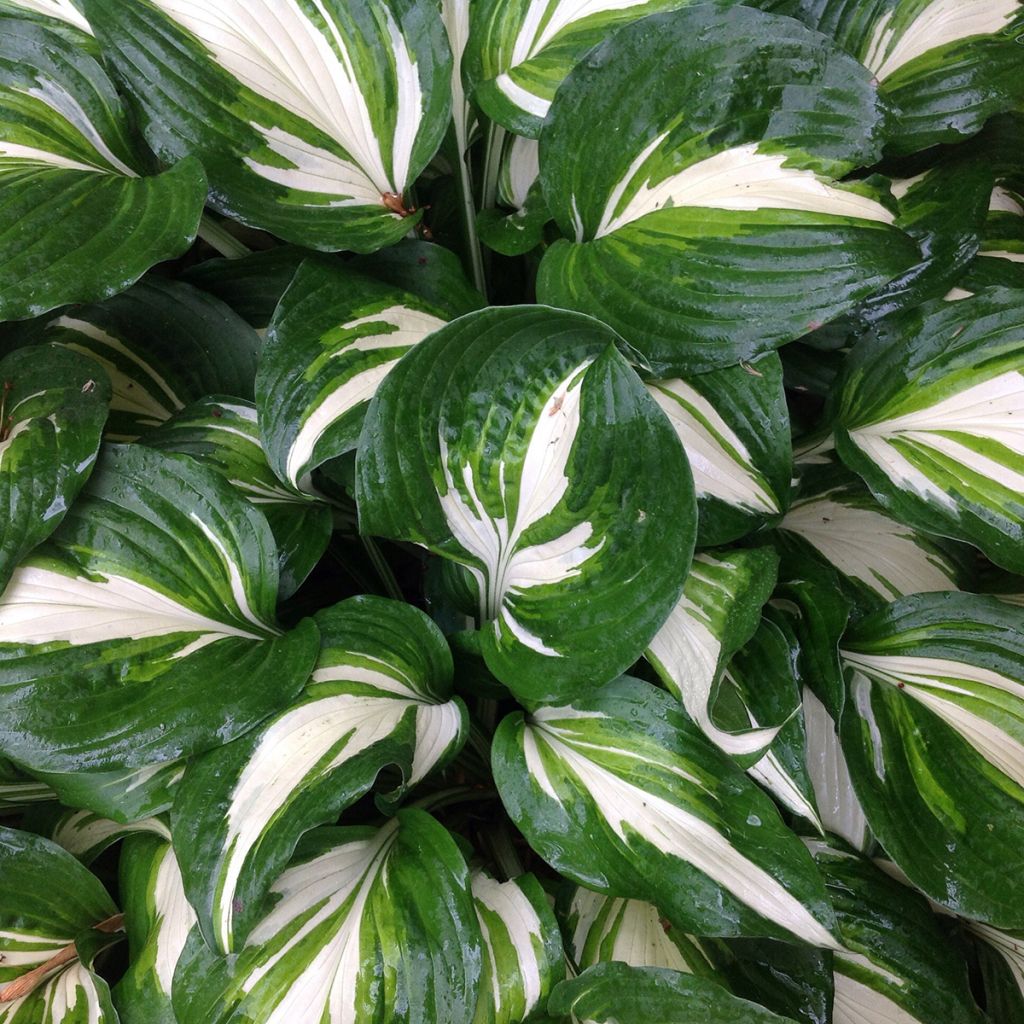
{"x": 511, "y": 511}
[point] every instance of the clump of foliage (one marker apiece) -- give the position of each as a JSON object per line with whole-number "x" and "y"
{"x": 513, "y": 511}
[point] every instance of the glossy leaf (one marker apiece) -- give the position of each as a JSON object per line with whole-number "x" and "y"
{"x": 65, "y": 11}
{"x": 144, "y": 630}
{"x": 18, "y": 790}
{"x": 719, "y": 611}
{"x": 380, "y": 695}
{"x": 158, "y": 919}
{"x": 221, "y": 432}
{"x": 522, "y": 950}
{"x": 620, "y": 792}
{"x": 715, "y": 231}
{"x": 761, "y": 692}
{"x": 925, "y": 414}
{"x": 84, "y": 834}
{"x": 1001, "y": 956}
{"x": 47, "y": 900}
{"x": 334, "y": 338}
{"x": 519, "y": 443}
{"x": 312, "y": 121}
{"x": 734, "y": 426}
{"x": 123, "y": 795}
{"x": 53, "y": 405}
{"x": 163, "y": 345}
{"x": 619, "y": 994}
{"x": 933, "y": 734}
{"x": 897, "y": 964}
{"x": 365, "y": 923}
{"x": 839, "y": 809}
{"x": 877, "y": 557}
{"x": 945, "y": 65}
{"x": 73, "y": 182}
{"x": 520, "y": 52}
{"x": 604, "y": 929}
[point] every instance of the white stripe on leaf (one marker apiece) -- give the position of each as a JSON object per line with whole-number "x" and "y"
{"x": 41, "y": 606}
{"x": 675, "y": 832}
{"x": 130, "y": 393}
{"x": 174, "y": 917}
{"x": 543, "y": 21}
{"x": 740, "y": 178}
{"x": 68, "y": 996}
{"x": 278, "y": 51}
{"x": 523, "y": 931}
{"x": 721, "y": 463}
{"x": 985, "y": 707}
{"x": 608, "y": 928}
{"x": 1008, "y": 945}
{"x": 64, "y": 10}
{"x": 311, "y": 894}
{"x": 988, "y": 411}
{"x": 302, "y": 747}
{"x": 509, "y": 569}
{"x": 870, "y": 547}
{"x": 772, "y": 774}
{"x": 939, "y": 23}
{"x": 397, "y": 327}
{"x": 858, "y": 1003}
{"x": 688, "y": 650}
{"x": 838, "y": 807}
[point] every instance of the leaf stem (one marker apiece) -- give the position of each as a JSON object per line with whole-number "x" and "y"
{"x": 454, "y": 795}
{"x": 467, "y": 206}
{"x": 217, "y": 236}
{"x": 29, "y": 981}
{"x": 499, "y": 842}
{"x": 387, "y": 577}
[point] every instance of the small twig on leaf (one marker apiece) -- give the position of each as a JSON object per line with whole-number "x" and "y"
{"x": 29, "y": 981}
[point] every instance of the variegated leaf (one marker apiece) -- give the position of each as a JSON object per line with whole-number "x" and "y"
{"x": 897, "y": 965}
{"x": 1001, "y": 956}
{"x": 158, "y": 919}
{"x": 53, "y": 405}
{"x": 933, "y": 732}
{"x": 522, "y": 949}
{"x": 312, "y": 119}
{"x": 521, "y": 50}
{"x": 945, "y": 65}
{"x": 84, "y": 834}
{"x": 734, "y": 426}
{"x": 365, "y": 923}
{"x": 123, "y": 795}
{"x": 718, "y": 612}
{"x": 162, "y": 344}
{"x": 221, "y": 432}
{"x": 838, "y": 807}
{"x": 620, "y": 792}
{"x": 603, "y": 929}
{"x": 927, "y": 415}
{"x": 72, "y": 179}
{"x": 519, "y": 443}
{"x": 380, "y": 695}
{"x": 878, "y": 558}
{"x": 619, "y": 994}
{"x": 144, "y": 630}
{"x": 65, "y": 11}
{"x": 47, "y": 902}
{"x": 715, "y": 230}
{"x": 19, "y": 790}
{"x": 943, "y": 208}
{"x": 761, "y": 693}
{"x": 334, "y": 338}
{"x": 519, "y": 190}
